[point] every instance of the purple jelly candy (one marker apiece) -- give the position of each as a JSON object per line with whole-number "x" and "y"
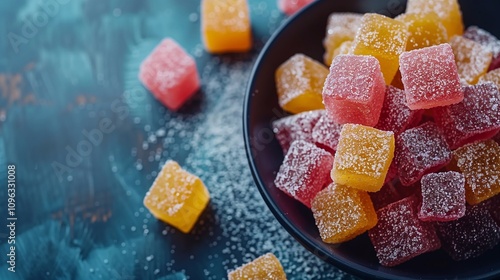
{"x": 396, "y": 116}
{"x": 296, "y": 127}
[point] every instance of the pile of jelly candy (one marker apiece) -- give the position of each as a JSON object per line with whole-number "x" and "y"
{"x": 400, "y": 137}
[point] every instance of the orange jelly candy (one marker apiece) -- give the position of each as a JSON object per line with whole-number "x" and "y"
{"x": 341, "y": 27}
{"x": 492, "y": 76}
{"x": 177, "y": 197}
{"x": 480, "y": 164}
{"x": 425, "y": 30}
{"x": 299, "y": 82}
{"x": 342, "y": 213}
{"x": 225, "y": 26}
{"x": 385, "y": 39}
{"x": 266, "y": 267}
{"x": 472, "y": 59}
{"x": 448, "y": 12}
{"x": 363, "y": 157}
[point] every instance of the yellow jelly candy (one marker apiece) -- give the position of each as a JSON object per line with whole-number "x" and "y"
{"x": 425, "y": 30}
{"x": 345, "y": 48}
{"x": 266, "y": 267}
{"x": 448, "y": 12}
{"x": 363, "y": 157}
{"x": 472, "y": 59}
{"x": 225, "y": 26}
{"x": 299, "y": 82}
{"x": 492, "y": 76}
{"x": 480, "y": 164}
{"x": 342, "y": 213}
{"x": 341, "y": 27}
{"x": 177, "y": 197}
{"x": 385, "y": 39}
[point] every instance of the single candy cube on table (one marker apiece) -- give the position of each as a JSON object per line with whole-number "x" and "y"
{"x": 326, "y": 133}
{"x": 265, "y": 267}
{"x": 480, "y": 164}
{"x": 290, "y": 7}
{"x": 395, "y": 115}
{"x": 170, "y": 74}
{"x": 430, "y": 77}
{"x": 304, "y": 171}
{"x": 399, "y": 235}
{"x": 299, "y": 82}
{"x": 448, "y": 12}
{"x": 443, "y": 197}
{"x": 387, "y": 195}
{"x": 472, "y": 59}
{"x": 470, "y": 236}
{"x": 177, "y": 197}
{"x": 385, "y": 39}
{"x": 487, "y": 40}
{"x": 425, "y": 30}
{"x": 342, "y": 213}
{"x": 225, "y": 26}
{"x": 363, "y": 157}
{"x": 296, "y": 127}
{"x": 474, "y": 119}
{"x": 493, "y": 77}
{"x": 341, "y": 28}
{"x": 354, "y": 90}
{"x": 419, "y": 151}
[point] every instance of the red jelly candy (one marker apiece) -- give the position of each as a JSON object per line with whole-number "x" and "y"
{"x": 387, "y": 195}
{"x": 296, "y": 127}
{"x": 326, "y": 133}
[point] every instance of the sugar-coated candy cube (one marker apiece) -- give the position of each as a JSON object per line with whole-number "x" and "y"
{"x": 476, "y": 118}
{"x": 425, "y": 30}
{"x": 492, "y": 205}
{"x": 326, "y": 133}
{"x": 177, "y": 197}
{"x": 448, "y": 12}
{"x": 225, "y": 26}
{"x": 170, "y": 74}
{"x": 493, "y": 77}
{"x": 345, "y": 48}
{"x": 480, "y": 164}
{"x": 399, "y": 235}
{"x": 383, "y": 38}
{"x": 419, "y": 151}
{"x": 472, "y": 59}
{"x": 299, "y": 82}
{"x": 443, "y": 197}
{"x": 341, "y": 28}
{"x": 470, "y": 236}
{"x": 354, "y": 90}
{"x": 304, "y": 171}
{"x": 395, "y": 115}
{"x": 387, "y": 195}
{"x": 363, "y": 157}
{"x": 342, "y": 213}
{"x": 265, "y": 267}
{"x": 296, "y": 127}
{"x": 430, "y": 77}
{"x": 487, "y": 40}
{"x": 290, "y": 7}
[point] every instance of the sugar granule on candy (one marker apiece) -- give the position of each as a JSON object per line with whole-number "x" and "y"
{"x": 326, "y": 133}
{"x": 419, "y": 151}
{"x": 265, "y": 267}
{"x": 341, "y": 28}
{"x": 469, "y": 236}
{"x": 472, "y": 58}
{"x": 296, "y": 127}
{"x": 399, "y": 235}
{"x": 487, "y": 40}
{"x": 304, "y": 171}
{"x": 443, "y": 197}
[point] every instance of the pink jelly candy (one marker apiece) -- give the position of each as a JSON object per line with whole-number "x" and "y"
{"x": 354, "y": 90}
{"x": 399, "y": 235}
{"x": 419, "y": 151}
{"x": 326, "y": 133}
{"x": 170, "y": 74}
{"x": 387, "y": 195}
{"x": 443, "y": 197}
{"x": 469, "y": 236}
{"x": 290, "y": 7}
{"x": 430, "y": 77}
{"x": 304, "y": 171}
{"x": 296, "y": 127}
{"x": 396, "y": 116}
{"x": 474, "y": 119}
{"x": 487, "y": 40}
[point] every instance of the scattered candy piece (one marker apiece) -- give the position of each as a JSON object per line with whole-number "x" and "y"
{"x": 299, "y": 82}
{"x": 326, "y": 133}
{"x": 177, "y": 197}
{"x": 342, "y": 213}
{"x": 341, "y": 28}
{"x": 425, "y": 30}
{"x": 170, "y": 74}
{"x": 487, "y": 40}
{"x": 296, "y": 127}
{"x": 290, "y": 7}
{"x": 266, "y": 267}
{"x": 447, "y": 10}
{"x": 472, "y": 59}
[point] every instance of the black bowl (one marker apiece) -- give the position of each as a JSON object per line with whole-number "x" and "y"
{"x": 303, "y": 33}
